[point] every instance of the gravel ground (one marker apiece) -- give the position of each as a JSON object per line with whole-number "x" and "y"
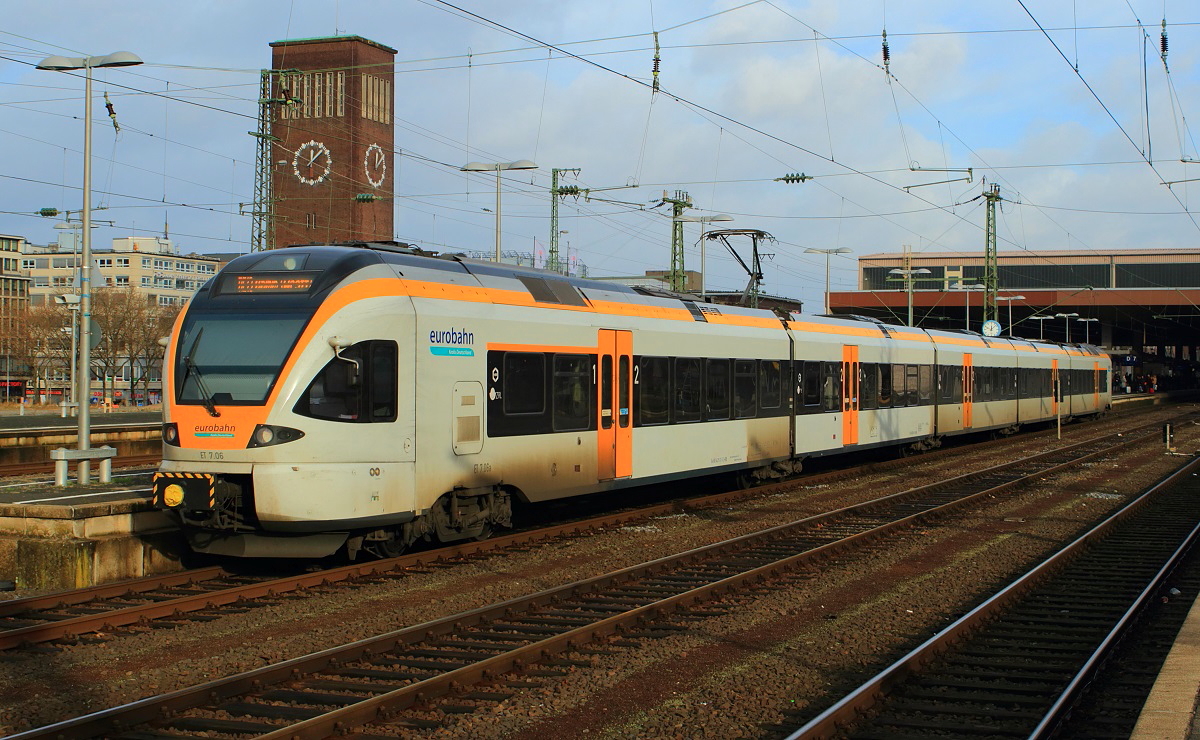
{"x": 723, "y": 677}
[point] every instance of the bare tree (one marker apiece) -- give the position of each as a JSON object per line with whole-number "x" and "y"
{"x": 41, "y": 341}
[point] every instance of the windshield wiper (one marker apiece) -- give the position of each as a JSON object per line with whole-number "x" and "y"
{"x": 205, "y": 396}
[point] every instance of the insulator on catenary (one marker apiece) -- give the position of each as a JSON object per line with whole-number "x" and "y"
{"x": 657, "y": 61}
{"x": 887, "y": 54}
{"x": 1163, "y": 41}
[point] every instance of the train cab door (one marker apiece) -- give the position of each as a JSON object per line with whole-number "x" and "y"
{"x": 614, "y": 408}
{"x": 1096, "y": 385}
{"x": 850, "y": 400}
{"x": 968, "y": 389}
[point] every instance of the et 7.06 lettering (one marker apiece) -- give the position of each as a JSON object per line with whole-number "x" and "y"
{"x": 212, "y": 455}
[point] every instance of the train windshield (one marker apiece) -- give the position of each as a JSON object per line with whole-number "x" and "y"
{"x": 233, "y": 358}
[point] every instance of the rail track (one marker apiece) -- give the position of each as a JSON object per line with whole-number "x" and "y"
{"x": 47, "y": 466}
{"x": 384, "y": 679}
{"x": 1018, "y": 664}
{"x": 203, "y": 592}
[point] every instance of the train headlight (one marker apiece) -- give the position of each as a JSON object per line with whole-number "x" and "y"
{"x": 170, "y": 433}
{"x": 268, "y": 435}
{"x": 173, "y": 495}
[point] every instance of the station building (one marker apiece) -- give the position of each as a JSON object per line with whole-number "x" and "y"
{"x": 1141, "y": 305}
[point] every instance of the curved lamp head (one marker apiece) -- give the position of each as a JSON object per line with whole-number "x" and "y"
{"x": 116, "y": 59}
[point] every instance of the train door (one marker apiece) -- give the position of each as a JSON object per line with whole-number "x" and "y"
{"x": 850, "y": 400}
{"x": 1055, "y": 388}
{"x": 968, "y": 388}
{"x": 1096, "y": 386}
{"x": 614, "y": 422}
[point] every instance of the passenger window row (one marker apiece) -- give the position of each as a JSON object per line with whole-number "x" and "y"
{"x": 535, "y": 393}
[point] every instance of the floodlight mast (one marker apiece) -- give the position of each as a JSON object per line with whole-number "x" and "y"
{"x": 84, "y": 389}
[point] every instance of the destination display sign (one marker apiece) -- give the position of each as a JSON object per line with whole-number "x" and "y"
{"x": 269, "y": 282}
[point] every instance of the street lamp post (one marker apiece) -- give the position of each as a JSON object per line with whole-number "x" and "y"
{"x": 1066, "y": 317}
{"x": 704, "y": 220}
{"x": 83, "y": 391}
{"x": 908, "y": 276}
{"x": 1040, "y": 319}
{"x": 1010, "y": 299}
{"x": 498, "y": 167}
{"x": 827, "y": 252}
{"x": 1087, "y": 334}
{"x": 967, "y": 288}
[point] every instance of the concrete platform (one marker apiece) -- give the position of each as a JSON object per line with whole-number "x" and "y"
{"x": 57, "y": 539}
{"x": 1170, "y": 710}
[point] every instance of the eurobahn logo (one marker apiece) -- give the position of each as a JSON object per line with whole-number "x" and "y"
{"x": 215, "y": 430}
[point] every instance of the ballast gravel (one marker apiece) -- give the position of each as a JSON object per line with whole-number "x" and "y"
{"x": 755, "y": 665}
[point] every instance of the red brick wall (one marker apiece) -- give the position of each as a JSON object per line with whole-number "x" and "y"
{"x": 330, "y": 113}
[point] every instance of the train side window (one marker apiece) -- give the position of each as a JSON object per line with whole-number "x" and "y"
{"x": 812, "y": 384}
{"x": 945, "y": 383}
{"x": 831, "y": 386}
{"x": 770, "y": 384}
{"x": 524, "y": 389}
{"x": 716, "y": 376}
{"x": 745, "y": 389}
{"x": 925, "y": 384}
{"x": 652, "y": 383}
{"x": 383, "y": 381}
{"x": 899, "y": 389}
{"x": 885, "y": 385}
{"x": 911, "y": 386}
{"x": 686, "y": 389}
{"x": 868, "y": 379}
{"x": 359, "y": 385}
{"x": 572, "y": 392}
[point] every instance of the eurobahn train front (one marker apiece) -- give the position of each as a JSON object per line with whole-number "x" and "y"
{"x": 278, "y": 380}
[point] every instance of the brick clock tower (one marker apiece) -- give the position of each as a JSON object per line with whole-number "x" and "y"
{"x": 331, "y": 167}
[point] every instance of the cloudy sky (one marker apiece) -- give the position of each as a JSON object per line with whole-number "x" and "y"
{"x": 1080, "y": 124}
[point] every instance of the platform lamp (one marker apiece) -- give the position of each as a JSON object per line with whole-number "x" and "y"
{"x": 908, "y": 276}
{"x": 1066, "y": 317}
{"x": 498, "y": 167}
{"x": 1010, "y": 299}
{"x": 704, "y": 220}
{"x": 84, "y": 390}
{"x": 1040, "y": 319}
{"x": 827, "y": 252}
{"x": 1087, "y": 335}
{"x": 967, "y": 287}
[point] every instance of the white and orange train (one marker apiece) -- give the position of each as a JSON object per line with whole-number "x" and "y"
{"x": 370, "y": 396}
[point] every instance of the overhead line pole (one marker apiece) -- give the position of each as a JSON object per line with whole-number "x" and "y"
{"x": 991, "y": 270}
{"x": 679, "y": 203}
{"x": 553, "y": 263}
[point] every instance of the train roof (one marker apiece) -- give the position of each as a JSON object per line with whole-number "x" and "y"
{"x": 546, "y": 286}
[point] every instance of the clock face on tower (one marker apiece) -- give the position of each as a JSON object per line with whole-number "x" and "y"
{"x": 375, "y": 165}
{"x": 312, "y": 163}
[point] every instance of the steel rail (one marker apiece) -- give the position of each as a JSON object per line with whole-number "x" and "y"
{"x": 58, "y": 627}
{"x": 161, "y": 708}
{"x": 838, "y": 717}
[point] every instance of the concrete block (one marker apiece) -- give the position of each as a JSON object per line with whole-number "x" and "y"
{"x": 45, "y": 564}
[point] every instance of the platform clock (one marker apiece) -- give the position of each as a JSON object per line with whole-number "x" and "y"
{"x": 375, "y": 165}
{"x": 312, "y": 163}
